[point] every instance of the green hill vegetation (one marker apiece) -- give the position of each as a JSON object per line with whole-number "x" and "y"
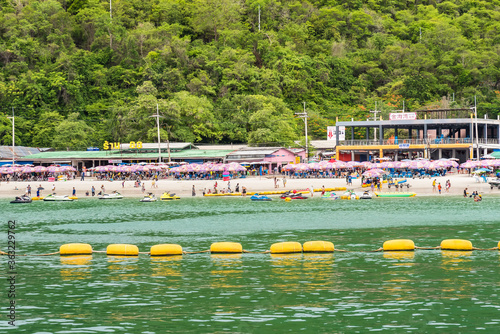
{"x": 76, "y": 76}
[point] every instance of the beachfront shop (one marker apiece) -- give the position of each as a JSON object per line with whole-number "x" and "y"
{"x": 431, "y": 134}
{"x": 174, "y": 154}
{"x": 267, "y": 159}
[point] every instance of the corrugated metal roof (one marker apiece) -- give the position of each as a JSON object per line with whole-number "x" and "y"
{"x": 112, "y": 155}
{"x": 21, "y": 151}
{"x": 254, "y": 152}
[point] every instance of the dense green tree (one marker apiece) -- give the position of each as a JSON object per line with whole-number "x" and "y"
{"x": 217, "y": 77}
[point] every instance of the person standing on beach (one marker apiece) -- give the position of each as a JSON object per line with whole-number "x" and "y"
{"x": 102, "y": 189}
{"x": 448, "y": 186}
{"x": 93, "y": 191}
{"x": 465, "y": 192}
{"x": 53, "y": 188}
{"x": 284, "y": 181}
{"x": 74, "y": 191}
{"x": 193, "y": 191}
{"x": 28, "y": 190}
{"x": 439, "y": 188}
{"x": 434, "y": 186}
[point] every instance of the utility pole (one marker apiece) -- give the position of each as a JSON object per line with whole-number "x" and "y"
{"x": 477, "y": 132}
{"x": 375, "y": 112}
{"x": 158, "y": 128}
{"x": 13, "y": 138}
{"x": 305, "y": 116}
{"x": 110, "y": 22}
{"x": 259, "y": 17}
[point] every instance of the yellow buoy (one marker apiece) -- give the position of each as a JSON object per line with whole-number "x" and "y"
{"x": 318, "y": 247}
{"x": 75, "y": 249}
{"x": 122, "y": 249}
{"x": 226, "y": 247}
{"x": 456, "y": 244}
{"x": 498, "y": 246}
{"x": 36, "y": 198}
{"x": 288, "y": 199}
{"x": 166, "y": 250}
{"x": 73, "y": 197}
{"x": 399, "y": 245}
{"x": 286, "y": 247}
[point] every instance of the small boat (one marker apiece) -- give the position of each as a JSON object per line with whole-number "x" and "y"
{"x": 396, "y": 194}
{"x": 149, "y": 198}
{"x": 169, "y": 197}
{"x": 22, "y": 199}
{"x": 257, "y": 197}
{"x": 113, "y": 195}
{"x": 366, "y": 195}
{"x": 330, "y": 196}
{"x": 297, "y": 195}
{"x": 55, "y": 198}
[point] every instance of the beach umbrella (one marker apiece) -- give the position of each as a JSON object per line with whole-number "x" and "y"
{"x": 101, "y": 169}
{"x": 367, "y": 164}
{"x": 390, "y": 164}
{"x": 6, "y": 170}
{"x": 54, "y": 169}
{"x": 419, "y": 164}
{"x": 481, "y": 170}
{"x": 468, "y": 164}
{"x": 27, "y": 170}
{"x": 16, "y": 169}
{"x": 354, "y": 164}
{"x": 375, "y": 172}
{"x": 126, "y": 169}
{"x": 40, "y": 169}
{"x": 404, "y": 164}
{"x": 68, "y": 169}
{"x": 289, "y": 167}
{"x": 339, "y": 164}
{"x": 314, "y": 166}
{"x": 302, "y": 167}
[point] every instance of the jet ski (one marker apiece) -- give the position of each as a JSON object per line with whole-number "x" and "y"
{"x": 330, "y": 196}
{"x": 54, "y": 198}
{"x": 169, "y": 197}
{"x": 296, "y": 195}
{"x": 113, "y": 195}
{"x": 366, "y": 195}
{"x": 22, "y": 199}
{"x": 257, "y": 197}
{"x": 149, "y": 198}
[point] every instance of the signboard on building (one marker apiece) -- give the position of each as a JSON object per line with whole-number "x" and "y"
{"x": 331, "y": 133}
{"x": 403, "y": 116}
{"x": 404, "y": 146}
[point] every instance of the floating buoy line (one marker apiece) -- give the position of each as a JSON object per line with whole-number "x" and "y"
{"x": 289, "y": 247}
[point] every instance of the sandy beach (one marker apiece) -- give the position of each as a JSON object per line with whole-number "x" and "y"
{"x": 422, "y": 187}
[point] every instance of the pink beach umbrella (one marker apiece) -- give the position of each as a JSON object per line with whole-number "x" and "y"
{"x": 27, "y": 170}
{"x": 289, "y": 167}
{"x": 339, "y": 164}
{"x": 6, "y": 170}
{"x": 302, "y": 167}
{"x": 40, "y": 169}
{"x": 354, "y": 164}
{"x": 376, "y": 172}
{"x": 468, "y": 164}
{"x": 54, "y": 169}
{"x": 101, "y": 169}
{"x": 314, "y": 166}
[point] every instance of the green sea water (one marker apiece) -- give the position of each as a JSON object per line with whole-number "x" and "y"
{"x": 429, "y": 291}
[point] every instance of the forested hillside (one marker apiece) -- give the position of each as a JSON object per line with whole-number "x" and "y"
{"x": 76, "y": 74}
